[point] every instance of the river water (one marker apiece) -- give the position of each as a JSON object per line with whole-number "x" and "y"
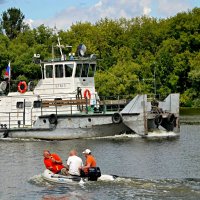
{"x": 147, "y": 169}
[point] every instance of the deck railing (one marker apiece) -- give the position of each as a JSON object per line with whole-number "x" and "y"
{"x": 11, "y": 119}
{"x": 25, "y": 116}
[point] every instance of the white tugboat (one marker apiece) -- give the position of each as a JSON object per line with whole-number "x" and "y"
{"x": 65, "y": 105}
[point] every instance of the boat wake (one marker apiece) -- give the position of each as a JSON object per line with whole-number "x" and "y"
{"x": 125, "y": 187}
{"x": 22, "y": 139}
{"x": 39, "y": 181}
{"x": 151, "y": 135}
{"x": 162, "y": 187}
{"x": 124, "y": 135}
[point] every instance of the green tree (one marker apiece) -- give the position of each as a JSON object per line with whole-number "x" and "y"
{"x": 4, "y": 53}
{"x": 194, "y": 78}
{"x": 12, "y": 22}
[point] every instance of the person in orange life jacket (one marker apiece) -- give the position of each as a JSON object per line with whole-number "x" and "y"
{"x": 52, "y": 162}
{"x": 90, "y": 162}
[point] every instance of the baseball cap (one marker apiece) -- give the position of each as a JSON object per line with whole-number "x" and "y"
{"x": 87, "y": 151}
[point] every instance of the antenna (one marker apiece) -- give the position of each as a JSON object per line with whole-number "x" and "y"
{"x": 63, "y": 57}
{"x": 59, "y": 45}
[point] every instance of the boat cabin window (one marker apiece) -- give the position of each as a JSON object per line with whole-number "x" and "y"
{"x": 37, "y": 104}
{"x": 78, "y": 70}
{"x": 85, "y": 70}
{"x": 59, "y": 71}
{"x": 20, "y": 104}
{"x": 49, "y": 71}
{"x": 68, "y": 70}
{"x": 91, "y": 70}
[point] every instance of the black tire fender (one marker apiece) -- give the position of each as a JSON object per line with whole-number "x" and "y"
{"x": 158, "y": 119}
{"x": 53, "y": 119}
{"x": 117, "y": 118}
{"x": 6, "y": 134}
{"x": 171, "y": 118}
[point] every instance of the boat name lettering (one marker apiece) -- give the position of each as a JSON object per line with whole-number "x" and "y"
{"x": 62, "y": 85}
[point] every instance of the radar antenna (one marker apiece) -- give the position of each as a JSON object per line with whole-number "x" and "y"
{"x": 81, "y": 49}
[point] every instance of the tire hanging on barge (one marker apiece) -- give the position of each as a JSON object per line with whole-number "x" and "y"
{"x": 171, "y": 118}
{"x": 158, "y": 120}
{"x": 53, "y": 119}
{"x": 117, "y": 118}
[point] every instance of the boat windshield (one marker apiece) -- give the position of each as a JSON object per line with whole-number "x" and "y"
{"x": 58, "y": 70}
{"x": 85, "y": 70}
{"x": 68, "y": 70}
{"x": 49, "y": 71}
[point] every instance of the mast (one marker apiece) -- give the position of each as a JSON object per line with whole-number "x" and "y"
{"x": 58, "y": 45}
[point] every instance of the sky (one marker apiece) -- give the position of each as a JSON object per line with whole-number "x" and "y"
{"x": 64, "y": 13}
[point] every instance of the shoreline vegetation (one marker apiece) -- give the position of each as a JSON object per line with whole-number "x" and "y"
{"x": 190, "y": 116}
{"x": 138, "y": 55}
{"x": 189, "y": 111}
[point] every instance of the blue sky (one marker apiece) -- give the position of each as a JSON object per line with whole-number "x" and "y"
{"x": 63, "y": 13}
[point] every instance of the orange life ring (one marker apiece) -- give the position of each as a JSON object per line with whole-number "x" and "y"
{"x": 87, "y": 94}
{"x": 22, "y": 87}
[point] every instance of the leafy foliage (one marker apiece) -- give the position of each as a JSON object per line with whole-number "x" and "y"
{"x": 12, "y": 22}
{"x": 135, "y": 54}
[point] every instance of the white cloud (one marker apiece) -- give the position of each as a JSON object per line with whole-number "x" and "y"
{"x": 104, "y": 8}
{"x": 114, "y": 9}
{"x": 168, "y": 8}
{"x": 146, "y": 11}
{"x": 30, "y": 22}
{"x": 98, "y": 5}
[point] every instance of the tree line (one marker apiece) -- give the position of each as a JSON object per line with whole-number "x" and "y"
{"x": 138, "y": 55}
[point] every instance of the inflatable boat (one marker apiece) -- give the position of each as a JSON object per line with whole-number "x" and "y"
{"x": 94, "y": 175}
{"x": 58, "y": 178}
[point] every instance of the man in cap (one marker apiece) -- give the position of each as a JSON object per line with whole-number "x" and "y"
{"x": 90, "y": 162}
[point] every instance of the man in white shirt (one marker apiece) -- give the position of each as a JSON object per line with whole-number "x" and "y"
{"x": 74, "y": 163}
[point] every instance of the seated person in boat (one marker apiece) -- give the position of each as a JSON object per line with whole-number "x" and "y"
{"x": 52, "y": 162}
{"x": 73, "y": 164}
{"x": 90, "y": 162}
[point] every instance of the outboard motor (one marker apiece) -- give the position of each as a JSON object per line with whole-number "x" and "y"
{"x": 94, "y": 173}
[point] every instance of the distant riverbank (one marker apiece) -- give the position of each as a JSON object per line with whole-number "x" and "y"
{"x": 189, "y": 111}
{"x": 189, "y": 115}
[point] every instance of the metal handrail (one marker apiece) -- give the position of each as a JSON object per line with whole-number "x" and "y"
{"x": 14, "y": 118}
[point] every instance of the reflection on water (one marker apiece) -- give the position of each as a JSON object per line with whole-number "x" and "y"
{"x": 49, "y": 197}
{"x": 192, "y": 119}
{"x": 148, "y": 169}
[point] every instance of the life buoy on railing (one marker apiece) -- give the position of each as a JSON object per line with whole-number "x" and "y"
{"x": 22, "y": 87}
{"x": 87, "y": 94}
